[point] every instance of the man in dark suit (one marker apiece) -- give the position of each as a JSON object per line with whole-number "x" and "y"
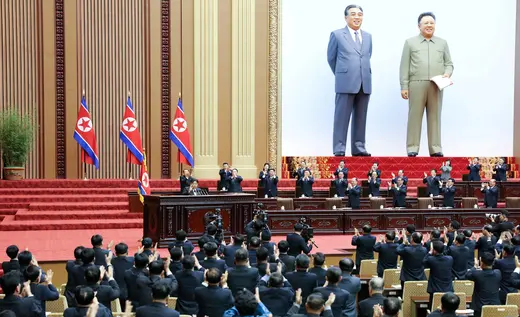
{"x": 449, "y": 304}
{"x": 354, "y": 193}
{"x": 471, "y": 245}
{"x": 105, "y": 293}
{"x": 351, "y": 284}
{"x": 409, "y": 230}
{"x": 305, "y": 183}
{"x": 486, "y": 242}
{"x": 506, "y": 265}
{"x": 234, "y": 182}
{"x": 254, "y": 245}
{"x": 288, "y": 260}
{"x": 315, "y": 306}
{"x": 270, "y": 184}
{"x": 364, "y": 245}
{"x": 265, "y": 237}
{"x": 156, "y": 270}
{"x": 374, "y": 168}
{"x": 14, "y": 301}
{"x": 264, "y": 264}
{"x": 185, "y": 181}
{"x": 461, "y": 256}
{"x": 212, "y": 260}
{"x": 71, "y": 286}
{"x": 487, "y": 284}
{"x": 400, "y": 174}
{"x": 188, "y": 279}
{"x": 374, "y": 183}
{"x": 318, "y": 267}
{"x": 399, "y": 191}
{"x": 440, "y": 265}
{"x": 451, "y": 231}
{"x": 341, "y": 168}
{"x": 301, "y": 279}
{"x": 387, "y": 258}
{"x": 12, "y": 264}
{"x": 148, "y": 248}
{"x": 500, "y": 171}
{"x": 490, "y": 191}
{"x": 41, "y": 292}
{"x": 435, "y": 235}
{"x": 474, "y": 170}
{"x": 201, "y": 242}
{"x": 433, "y": 181}
{"x": 341, "y": 301}
{"x": 214, "y": 300}
{"x": 159, "y": 306}
{"x": 242, "y": 276}
{"x": 448, "y": 193}
{"x": 100, "y": 253}
{"x": 85, "y": 298}
{"x": 176, "y": 255}
{"x": 224, "y": 173}
{"x": 131, "y": 276}
{"x": 276, "y": 294}
{"x": 181, "y": 241}
{"x": 341, "y": 184}
{"x": 500, "y": 224}
{"x": 412, "y": 254}
{"x": 121, "y": 263}
{"x": 300, "y": 172}
{"x": 87, "y": 260}
{"x": 237, "y": 242}
{"x": 375, "y": 290}
{"x": 297, "y": 243}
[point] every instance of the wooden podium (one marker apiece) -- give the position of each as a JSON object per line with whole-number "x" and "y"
{"x": 164, "y": 215}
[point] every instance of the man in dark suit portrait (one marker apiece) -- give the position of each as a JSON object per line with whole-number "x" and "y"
{"x": 342, "y": 296}
{"x": 412, "y": 254}
{"x": 211, "y": 260}
{"x": 265, "y": 263}
{"x": 13, "y": 288}
{"x": 105, "y": 293}
{"x": 224, "y": 174}
{"x": 440, "y": 266}
{"x": 486, "y": 242}
{"x": 474, "y": 170}
{"x": 87, "y": 260}
{"x": 364, "y": 245}
{"x": 12, "y": 264}
{"x": 341, "y": 184}
{"x": 487, "y": 284}
{"x": 351, "y": 284}
{"x": 194, "y": 189}
{"x": 387, "y": 250}
{"x": 69, "y": 267}
{"x": 288, "y": 260}
{"x": 229, "y": 250}
{"x": 159, "y": 305}
{"x": 121, "y": 263}
{"x": 400, "y": 173}
{"x": 375, "y": 290}
{"x": 300, "y": 171}
{"x": 341, "y": 168}
{"x": 449, "y": 304}
{"x": 301, "y": 279}
{"x": 500, "y": 171}
{"x": 374, "y": 183}
{"x": 315, "y": 306}
{"x": 85, "y": 297}
{"x": 234, "y": 182}
{"x": 265, "y": 238}
{"x": 432, "y": 182}
{"x": 156, "y": 270}
{"x": 374, "y": 168}
{"x": 100, "y": 253}
{"x": 349, "y": 52}
{"x": 185, "y": 181}
{"x": 131, "y": 276}
{"x": 506, "y": 266}
{"x": 399, "y": 190}
{"x": 276, "y": 294}
{"x": 188, "y": 280}
{"x": 448, "y": 193}
{"x": 181, "y": 241}
{"x": 242, "y": 276}
{"x": 354, "y": 194}
{"x": 41, "y": 292}
{"x": 461, "y": 256}
{"x": 216, "y": 298}
{"x": 176, "y": 256}
{"x": 297, "y": 243}
{"x": 471, "y": 244}
{"x": 490, "y": 191}
{"x": 318, "y": 267}
{"x": 270, "y": 183}
{"x": 305, "y": 183}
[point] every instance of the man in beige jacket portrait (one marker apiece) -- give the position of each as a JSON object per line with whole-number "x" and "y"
{"x": 424, "y": 56}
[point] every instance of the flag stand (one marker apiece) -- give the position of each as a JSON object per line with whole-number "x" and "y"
{"x": 129, "y": 165}
{"x": 84, "y": 166}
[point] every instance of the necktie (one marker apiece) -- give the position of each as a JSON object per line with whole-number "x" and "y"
{"x": 358, "y": 41}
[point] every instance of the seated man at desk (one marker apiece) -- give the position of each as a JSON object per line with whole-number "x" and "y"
{"x": 270, "y": 183}
{"x": 490, "y": 191}
{"x": 432, "y": 182}
{"x": 341, "y": 184}
{"x": 399, "y": 190}
{"x": 400, "y": 173}
{"x": 305, "y": 183}
{"x": 449, "y": 193}
{"x": 194, "y": 189}
{"x": 374, "y": 183}
{"x": 186, "y": 181}
{"x": 234, "y": 182}
{"x": 474, "y": 170}
{"x": 341, "y": 168}
{"x": 354, "y": 192}
{"x": 500, "y": 171}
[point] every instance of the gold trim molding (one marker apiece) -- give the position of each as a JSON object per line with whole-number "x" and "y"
{"x": 274, "y": 107}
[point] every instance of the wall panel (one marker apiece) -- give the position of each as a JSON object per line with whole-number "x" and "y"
{"x": 112, "y": 40}
{"x": 20, "y": 82}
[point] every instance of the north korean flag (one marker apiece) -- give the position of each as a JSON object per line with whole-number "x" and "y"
{"x": 85, "y": 136}
{"x": 130, "y": 135}
{"x": 180, "y": 135}
{"x": 144, "y": 182}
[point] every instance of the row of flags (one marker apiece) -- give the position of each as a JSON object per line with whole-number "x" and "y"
{"x": 129, "y": 134}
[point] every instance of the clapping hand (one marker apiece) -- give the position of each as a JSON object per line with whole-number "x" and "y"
{"x": 425, "y": 175}
{"x": 356, "y": 232}
{"x": 298, "y": 296}
{"x": 378, "y": 311}
{"x": 393, "y": 175}
{"x": 330, "y": 300}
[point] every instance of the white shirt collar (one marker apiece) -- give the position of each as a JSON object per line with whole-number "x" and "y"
{"x": 354, "y": 35}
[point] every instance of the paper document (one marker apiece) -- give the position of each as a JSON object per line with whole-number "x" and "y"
{"x": 442, "y": 82}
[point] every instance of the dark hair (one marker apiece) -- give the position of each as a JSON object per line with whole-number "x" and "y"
{"x": 121, "y": 248}
{"x": 346, "y": 265}
{"x": 266, "y": 235}
{"x": 157, "y": 267}
{"x": 333, "y": 275}
{"x": 302, "y": 261}
{"x": 255, "y": 242}
{"x": 468, "y": 233}
{"x": 31, "y": 273}
{"x": 188, "y": 262}
{"x": 180, "y": 235}
{"x": 276, "y": 279}
{"x": 436, "y": 234}
{"x": 77, "y": 252}
{"x": 455, "y": 225}
{"x": 460, "y": 238}
{"x": 438, "y": 246}
{"x": 241, "y": 255}
{"x": 367, "y": 229}
{"x": 225, "y": 163}
{"x": 213, "y": 276}
{"x": 262, "y": 254}
{"x": 410, "y": 229}
{"x": 298, "y": 227}
{"x": 390, "y": 235}
{"x": 515, "y": 240}
{"x": 319, "y": 258}
{"x": 84, "y": 295}
{"x": 487, "y": 258}
{"x": 450, "y": 302}
{"x": 417, "y": 237}
{"x": 426, "y": 14}
{"x": 96, "y": 240}
{"x": 202, "y": 241}
{"x": 176, "y": 254}
{"x": 212, "y": 229}
{"x": 92, "y": 274}
{"x": 210, "y": 249}
{"x": 283, "y": 246}
{"x": 10, "y": 282}
{"x": 245, "y": 303}
{"x": 315, "y": 301}
{"x": 509, "y": 249}
{"x": 140, "y": 261}
{"x": 25, "y": 258}
{"x": 238, "y": 239}
{"x": 12, "y": 251}
{"x": 504, "y": 213}
{"x": 488, "y": 228}
{"x": 160, "y": 291}
{"x": 391, "y": 306}
{"x": 88, "y": 255}
{"x": 147, "y": 243}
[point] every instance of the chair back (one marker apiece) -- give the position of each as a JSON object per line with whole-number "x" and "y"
{"x": 115, "y": 306}
{"x": 499, "y": 311}
{"x": 513, "y": 299}
{"x": 62, "y": 289}
{"x": 416, "y": 289}
{"x": 427, "y": 273}
{"x": 391, "y": 277}
{"x": 436, "y": 303}
{"x": 464, "y": 286}
{"x": 172, "y": 302}
{"x": 368, "y": 268}
{"x": 57, "y": 306}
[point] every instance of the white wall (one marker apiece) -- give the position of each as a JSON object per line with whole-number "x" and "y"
{"x": 477, "y": 116}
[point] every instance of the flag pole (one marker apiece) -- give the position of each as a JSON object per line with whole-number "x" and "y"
{"x": 83, "y": 151}
{"x": 178, "y": 156}
{"x": 128, "y": 158}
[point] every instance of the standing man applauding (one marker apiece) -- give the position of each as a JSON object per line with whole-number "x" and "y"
{"x": 474, "y": 170}
{"x": 348, "y": 54}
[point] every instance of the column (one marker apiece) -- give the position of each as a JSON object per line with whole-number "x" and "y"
{"x": 206, "y": 88}
{"x": 243, "y": 88}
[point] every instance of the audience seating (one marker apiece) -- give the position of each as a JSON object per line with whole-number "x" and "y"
{"x": 377, "y": 202}
{"x": 512, "y": 202}
{"x": 464, "y": 286}
{"x": 469, "y": 202}
{"x": 436, "y": 303}
{"x": 172, "y": 302}
{"x": 499, "y": 311}
{"x": 62, "y": 289}
{"x": 413, "y": 288}
{"x": 57, "y": 306}
{"x": 331, "y": 202}
{"x": 513, "y": 299}
{"x": 424, "y": 202}
{"x": 287, "y": 203}
{"x": 115, "y": 306}
{"x": 427, "y": 273}
{"x": 368, "y": 268}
